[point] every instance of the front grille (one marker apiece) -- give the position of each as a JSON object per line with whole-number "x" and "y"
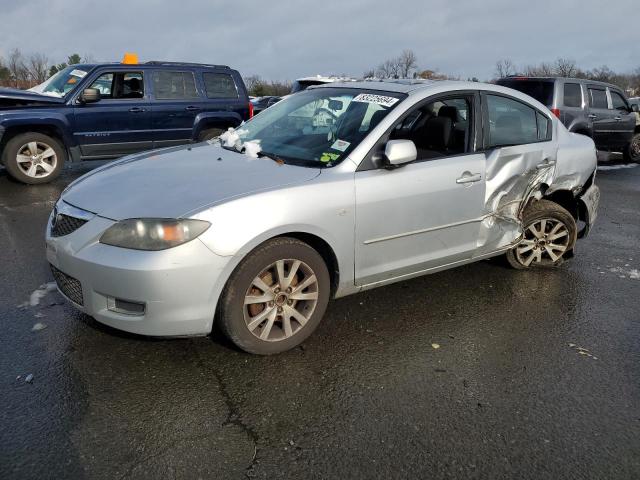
{"x": 71, "y": 287}
{"x": 64, "y": 225}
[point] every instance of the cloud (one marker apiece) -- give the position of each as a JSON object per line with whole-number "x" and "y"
{"x": 286, "y": 40}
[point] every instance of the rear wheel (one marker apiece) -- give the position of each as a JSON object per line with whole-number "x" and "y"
{"x": 275, "y": 298}
{"x": 33, "y": 158}
{"x": 549, "y": 234}
{"x": 210, "y": 134}
{"x": 632, "y": 152}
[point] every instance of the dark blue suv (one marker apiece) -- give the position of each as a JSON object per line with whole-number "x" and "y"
{"x": 108, "y": 110}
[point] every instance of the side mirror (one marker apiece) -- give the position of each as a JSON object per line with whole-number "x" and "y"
{"x": 335, "y": 105}
{"x": 90, "y": 95}
{"x": 399, "y": 152}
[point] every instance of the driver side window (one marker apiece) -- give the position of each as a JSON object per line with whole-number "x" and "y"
{"x": 440, "y": 128}
{"x": 119, "y": 85}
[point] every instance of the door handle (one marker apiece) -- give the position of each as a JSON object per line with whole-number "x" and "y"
{"x": 468, "y": 177}
{"x": 136, "y": 109}
{"x": 617, "y": 119}
{"x": 592, "y": 115}
{"x": 192, "y": 108}
{"x": 545, "y": 164}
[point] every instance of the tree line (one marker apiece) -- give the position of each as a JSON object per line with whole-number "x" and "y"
{"x": 566, "y": 67}
{"x": 20, "y": 70}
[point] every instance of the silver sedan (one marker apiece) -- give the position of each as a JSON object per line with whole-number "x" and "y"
{"x": 335, "y": 190}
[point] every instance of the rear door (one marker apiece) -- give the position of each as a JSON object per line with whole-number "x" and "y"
{"x": 176, "y": 103}
{"x": 120, "y": 122}
{"x": 574, "y": 105}
{"x": 625, "y": 120}
{"x": 604, "y": 125}
{"x": 224, "y": 95}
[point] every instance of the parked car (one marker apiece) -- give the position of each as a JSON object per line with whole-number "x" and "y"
{"x": 260, "y": 103}
{"x": 596, "y": 109}
{"x": 410, "y": 179}
{"x": 103, "y": 111}
{"x": 302, "y": 84}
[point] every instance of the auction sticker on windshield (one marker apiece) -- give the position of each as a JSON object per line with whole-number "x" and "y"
{"x": 377, "y": 99}
{"x": 340, "y": 145}
{"x": 78, "y": 73}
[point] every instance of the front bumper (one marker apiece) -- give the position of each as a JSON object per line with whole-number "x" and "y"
{"x": 178, "y": 287}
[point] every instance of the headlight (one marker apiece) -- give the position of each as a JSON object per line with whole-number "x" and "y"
{"x": 153, "y": 233}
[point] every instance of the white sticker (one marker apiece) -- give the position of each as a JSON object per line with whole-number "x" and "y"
{"x": 377, "y": 99}
{"x": 78, "y": 73}
{"x": 340, "y": 145}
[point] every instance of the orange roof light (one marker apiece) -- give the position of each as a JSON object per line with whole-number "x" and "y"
{"x": 130, "y": 58}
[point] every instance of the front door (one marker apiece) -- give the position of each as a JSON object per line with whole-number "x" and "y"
{"x": 625, "y": 121}
{"x": 120, "y": 122}
{"x": 601, "y": 116}
{"x": 425, "y": 214}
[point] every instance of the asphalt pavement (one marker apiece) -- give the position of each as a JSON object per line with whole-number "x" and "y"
{"x": 477, "y": 372}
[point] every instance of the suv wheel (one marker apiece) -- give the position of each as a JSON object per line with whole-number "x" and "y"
{"x": 632, "y": 152}
{"x": 275, "y": 298}
{"x": 33, "y": 158}
{"x": 549, "y": 233}
{"x": 210, "y": 134}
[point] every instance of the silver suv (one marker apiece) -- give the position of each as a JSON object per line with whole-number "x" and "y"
{"x": 596, "y": 109}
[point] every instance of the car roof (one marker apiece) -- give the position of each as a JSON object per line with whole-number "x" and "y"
{"x": 412, "y": 85}
{"x": 565, "y": 79}
{"x": 151, "y": 64}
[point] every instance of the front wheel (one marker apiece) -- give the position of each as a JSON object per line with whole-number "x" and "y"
{"x": 632, "y": 152}
{"x": 549, "y": 234}
{"x": 33, "y": 158}
{"x": 275, "y": 298}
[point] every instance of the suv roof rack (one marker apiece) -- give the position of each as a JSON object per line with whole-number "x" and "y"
{"x": 189, "y": 64}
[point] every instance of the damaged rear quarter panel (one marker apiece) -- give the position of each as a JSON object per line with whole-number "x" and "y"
{"x": 516, "y": 174}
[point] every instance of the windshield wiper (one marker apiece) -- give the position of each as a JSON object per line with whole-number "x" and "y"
{"x": 272, "y": 156}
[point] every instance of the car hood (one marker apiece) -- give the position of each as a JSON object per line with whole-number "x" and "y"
{"x": 12, "y": 98}
{"x": 177, "y": 181}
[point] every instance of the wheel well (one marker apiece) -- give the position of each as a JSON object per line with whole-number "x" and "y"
{"x": 565, "y": 199}
{"x": 44, "y": 129}
{"x": 325, "y": 251}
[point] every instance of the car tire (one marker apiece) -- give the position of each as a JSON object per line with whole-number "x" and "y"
{"x": 210, "y": 134}
{"x": 34, "y": 158}
{"x": 549, "y": 231}
{"x": 632, "y": 152}
{"x": 264, "y": 312}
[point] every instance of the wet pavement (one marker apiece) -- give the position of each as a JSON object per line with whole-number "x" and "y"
{"x": 536, "y": 374}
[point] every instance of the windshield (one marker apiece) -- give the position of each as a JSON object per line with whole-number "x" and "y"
{"x": 320, "y": 126}
{"x": 62, "y": 82}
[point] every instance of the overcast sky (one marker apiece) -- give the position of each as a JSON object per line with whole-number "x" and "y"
{"x": 290, "y": 39}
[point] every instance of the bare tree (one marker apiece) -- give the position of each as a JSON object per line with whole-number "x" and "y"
{"x": 407, "y": 62}
{"x": 38, "y": 67}
{"x": 541, "y": 70}
{"x": 566, "y": 67}
{"x": 17, "y": 68}
{"x": 371, "y": 73}
{"x": 389, "y": 68}
{"x": 505, "y": 68}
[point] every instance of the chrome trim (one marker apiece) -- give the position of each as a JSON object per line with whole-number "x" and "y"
{"x": 64, "y": 208}
{"x": 424, "y": 230}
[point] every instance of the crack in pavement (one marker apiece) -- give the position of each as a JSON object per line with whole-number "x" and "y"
{"x": 233, "y": 415}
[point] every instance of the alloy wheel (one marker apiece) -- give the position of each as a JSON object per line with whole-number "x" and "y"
{"x": 280, "y": 300}
{"x": 36, "y": 159}
{"x": 544, "y": 243}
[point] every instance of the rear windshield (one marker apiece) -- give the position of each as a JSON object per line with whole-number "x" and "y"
{"x": 541, "y": 90}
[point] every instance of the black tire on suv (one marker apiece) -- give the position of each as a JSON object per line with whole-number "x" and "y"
{"x": 632, "y": 152}
{"x": 33, "y": 158}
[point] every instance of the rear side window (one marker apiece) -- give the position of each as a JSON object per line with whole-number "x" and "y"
{"x": 598, "y": 98}
{"x": 572, "y": 95}
{"x": 172, "y": 85}
{"x": 541, "y": 90}
{"x": 513, "y": 123}
{"x": 618, "y": 101}
{"x": 219, "y": 85}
